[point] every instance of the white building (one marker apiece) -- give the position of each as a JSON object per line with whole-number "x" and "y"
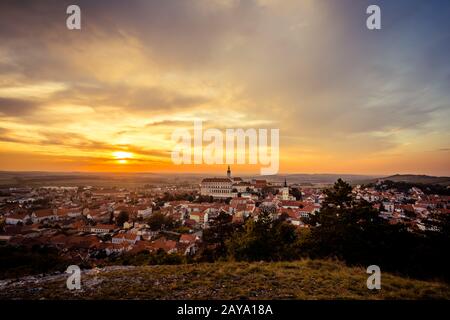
{"x": 144, "y": 212}
{"x": 44, "y": 214}
{"x": 102, "y": 228}
{"x": 217, "y": 187}
{"x": 129, "y": 238}
{"x": 285, "y": 192}
{"x": 221, "y": 187}
{"x": 388, "y": 206}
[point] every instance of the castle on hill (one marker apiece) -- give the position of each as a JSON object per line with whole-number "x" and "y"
{"x": 231, "y": 187}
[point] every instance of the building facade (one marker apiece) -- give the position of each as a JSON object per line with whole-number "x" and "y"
{"x": 219, "y": 187}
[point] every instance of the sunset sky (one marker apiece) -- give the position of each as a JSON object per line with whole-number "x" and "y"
{"x": 108, "y": 97}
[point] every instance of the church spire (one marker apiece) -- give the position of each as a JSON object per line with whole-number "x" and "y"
{"x": 285, "y": 182}
{"x": 229, "y": 172}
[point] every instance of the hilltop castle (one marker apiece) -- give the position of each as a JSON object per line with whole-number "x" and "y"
{"x": 231, "y": 187}
{"x": 221, "y": 187}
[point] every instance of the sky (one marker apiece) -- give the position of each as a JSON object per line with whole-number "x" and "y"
{"x": 108, "y": 97}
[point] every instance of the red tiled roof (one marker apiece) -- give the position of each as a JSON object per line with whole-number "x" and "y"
{"x": 308, "y": 208}
{"x": 292, "y": 213}
{"x": 164, "y": 244}
{"x": 127, "y": 236}
{"x": 190, "y": 238}
{"x": 141, "y": 246}
{"x": 18, "y": 216}
{"x": 44, "y": 213}
{"x": 291, "y": 203}
{"x": 82, "y": 242}
{"x": 190, "y": 222}
{"x": 105, "y": 226}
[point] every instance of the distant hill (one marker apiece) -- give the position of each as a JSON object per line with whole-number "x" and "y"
{"x": 305, "y": 279}
{"x": 317, "y": 178}
{"x": 423, "y": 179}
{"x": 36, "y": 179}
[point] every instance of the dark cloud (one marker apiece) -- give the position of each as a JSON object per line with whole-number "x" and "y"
{"x": 7, "y": 135}
{"x": 73, "y": 140}
{"x": 16, "y": 107}
{"x": 129, "y": 98}
{"x": 177, "y": 34}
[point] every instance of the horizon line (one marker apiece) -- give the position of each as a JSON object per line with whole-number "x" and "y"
{"x": 203, "y": 173}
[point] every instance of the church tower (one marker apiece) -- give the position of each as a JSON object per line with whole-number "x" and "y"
{"x": 285, "y": 191}
{"x": 229, "y": 172}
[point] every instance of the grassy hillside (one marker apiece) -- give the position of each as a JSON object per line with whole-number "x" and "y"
{"x": 306, "y": 279}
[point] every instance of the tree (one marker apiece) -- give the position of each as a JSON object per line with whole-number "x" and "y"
{"x": 266, "y": 190}
{"x": 297, "y": 193}
{"x": 111, "y": 216}
{"x": 267, "y": 238}
{"x": 201, "y": 199}
{"x": 158, "y": 221}
{"x": 344, "y": 226}
{"x": 340, "y": 195}
{"x": 221, "y": 228}
{"x": 122, "y": 218}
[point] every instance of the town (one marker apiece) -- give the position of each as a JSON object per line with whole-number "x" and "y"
{"x": 94, "y": 224}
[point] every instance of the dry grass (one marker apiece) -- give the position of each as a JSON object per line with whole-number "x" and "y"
{"x": 306, "y": 279}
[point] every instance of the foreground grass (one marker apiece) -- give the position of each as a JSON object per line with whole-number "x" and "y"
{"x": 306, "y": 279}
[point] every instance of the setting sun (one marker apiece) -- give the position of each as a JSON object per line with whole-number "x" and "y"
{"x": 122, "y": 156}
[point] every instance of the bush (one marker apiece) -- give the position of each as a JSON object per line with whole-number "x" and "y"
{"x": 20, "y": 261}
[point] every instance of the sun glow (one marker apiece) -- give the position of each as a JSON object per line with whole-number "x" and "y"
{"x": 122, "y": 156}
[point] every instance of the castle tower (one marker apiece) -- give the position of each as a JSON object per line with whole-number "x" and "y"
{"x": 229, "y": 172}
